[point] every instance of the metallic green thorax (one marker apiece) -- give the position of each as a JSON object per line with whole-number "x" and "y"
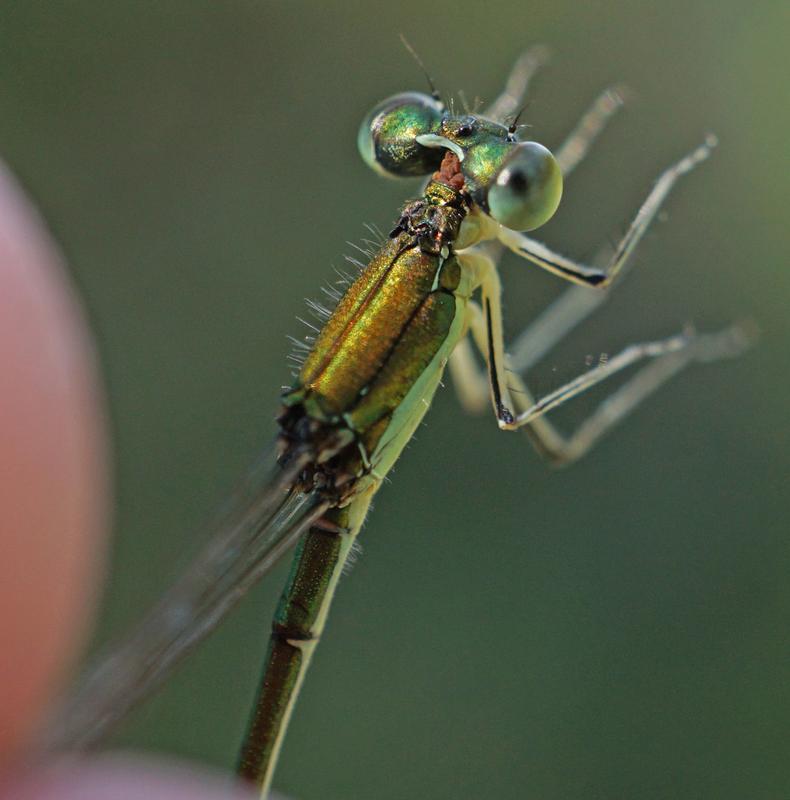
{"x": 388, "y": 326}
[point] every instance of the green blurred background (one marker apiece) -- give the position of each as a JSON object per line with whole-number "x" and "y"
{"x": 615, "y": 630}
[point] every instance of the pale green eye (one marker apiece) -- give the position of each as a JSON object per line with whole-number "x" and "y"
{"x": 527, "y": 189}
{"x": 387, "y": 138}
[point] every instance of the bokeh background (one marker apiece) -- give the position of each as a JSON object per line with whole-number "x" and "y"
{"x": 615, "y": 630}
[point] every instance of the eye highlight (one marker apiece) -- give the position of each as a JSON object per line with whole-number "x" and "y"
{"x": 387, "y": 138}
{"x": 527, "y": 189}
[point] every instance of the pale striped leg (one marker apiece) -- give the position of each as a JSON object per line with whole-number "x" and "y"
{"x": 514, "y": 405}
{"x": 676, "y": 352}
{"x": 474, "y": 388}
{"x": 585, "y": 275}
{"x": 527, "y": 65}
{"x": 576, "y": 303}
{"x": 486, "y": 279}
{"x": 553, "y": 324}
{"x": 571, "y": 152}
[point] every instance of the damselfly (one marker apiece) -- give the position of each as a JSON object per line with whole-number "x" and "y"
{"x": 427, "y": 295}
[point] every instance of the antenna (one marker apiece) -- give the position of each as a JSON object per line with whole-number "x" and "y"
{"x": 434, "y": 91}
{"x": 513, "y": 127}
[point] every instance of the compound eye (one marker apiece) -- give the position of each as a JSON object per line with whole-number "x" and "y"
{"x": 527, "y": 189}
{"x": 387, "y": 138}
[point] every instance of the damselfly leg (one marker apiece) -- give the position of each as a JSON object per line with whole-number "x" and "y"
{"x": 567, "y": 268}
{"x": 527, "y": 65}
{"x": 513, "y": 403}
{"x": 576, "y": 303}
{"x": 669, "y": 356}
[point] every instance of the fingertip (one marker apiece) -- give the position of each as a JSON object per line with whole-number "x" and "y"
{"x": 130, "y": 778}
{"x": 52, "y": 470}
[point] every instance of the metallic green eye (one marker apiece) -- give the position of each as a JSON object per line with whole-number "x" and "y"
{"x": 387, "y": 138}
{"x": 527, "y": 189}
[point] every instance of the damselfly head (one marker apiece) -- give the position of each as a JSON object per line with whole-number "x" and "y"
{"x": 518, "y": 184}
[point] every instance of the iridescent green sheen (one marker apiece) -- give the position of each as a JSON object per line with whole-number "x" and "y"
{"x": 349, "y": 373}
{"x": 481, "y": 165}
{"x": 419, "y": 340}
{"x": 518, "y": 184}
{"x": 387, "y": 136}
{"x": 468, "y": 130}
{"x": 357, "y": 342}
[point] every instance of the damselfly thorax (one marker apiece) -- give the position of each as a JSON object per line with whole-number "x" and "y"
{"x": 374, "y": 367}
